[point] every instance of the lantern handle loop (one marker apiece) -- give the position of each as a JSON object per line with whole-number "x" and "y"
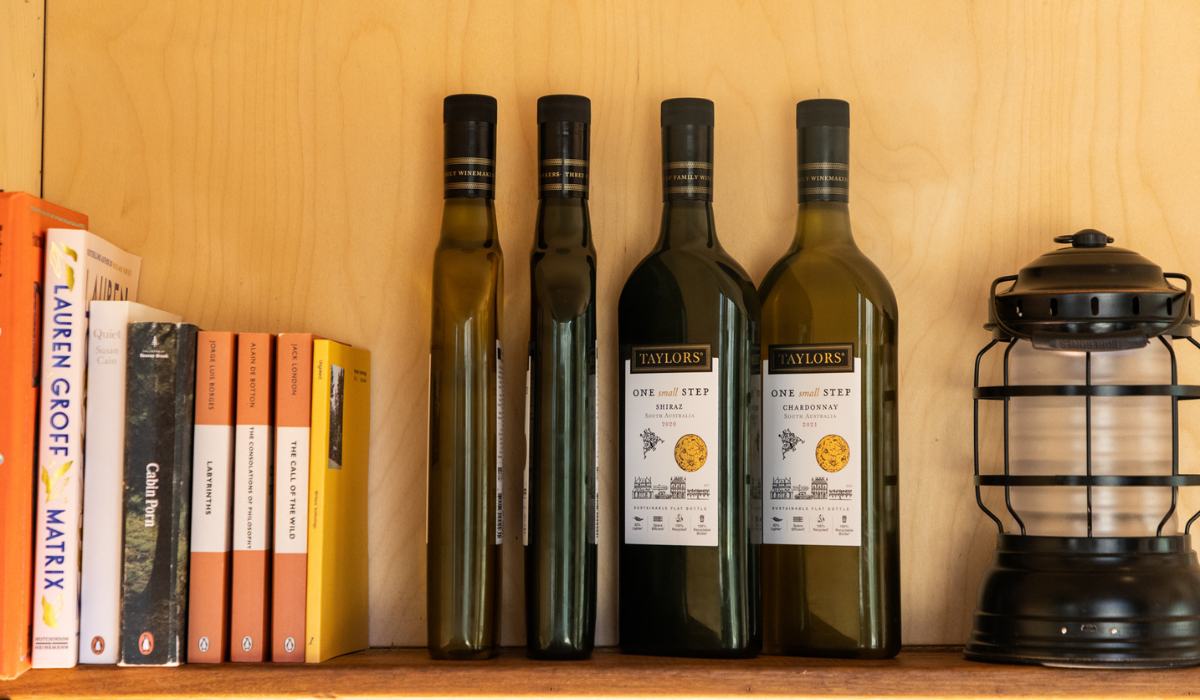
{"x": 996, "y": 311}
{"x": 1184, "y": 308}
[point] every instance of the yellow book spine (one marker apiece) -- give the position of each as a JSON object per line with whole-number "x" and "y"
{"x": 336, "y": 617}
{"x": 318, "y": 454}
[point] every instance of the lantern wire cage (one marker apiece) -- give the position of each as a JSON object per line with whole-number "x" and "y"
{"x": 1175, "y": 391}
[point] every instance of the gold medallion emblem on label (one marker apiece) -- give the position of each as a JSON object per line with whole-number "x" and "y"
{"x": 832, "y": 453}
{"x": 690, "y": 453}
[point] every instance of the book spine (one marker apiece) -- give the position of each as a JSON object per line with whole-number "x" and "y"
{"x": 181, "y": 493}
{"x": 337, "y": 602}
{"x": 23, "y": 222}
{"x": 103, "y": 492}
{"x": 249, "y": 624}
{"x": 293, "y": 418}
{"x": 20, "y": 285}
{"x": 60, "y": 455}
{"x": 79, "y": 268}
{"x": 160, "y": 400}
{"x": 318, "y": 461}
{"x": 104, "y": 488}
{"x": 212, "y": 494}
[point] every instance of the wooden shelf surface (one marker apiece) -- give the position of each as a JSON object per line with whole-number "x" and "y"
{"x": 940, "y": 672}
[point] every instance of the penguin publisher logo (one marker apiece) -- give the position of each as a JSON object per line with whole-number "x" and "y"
{"x": 247, "y": 643}
{"x": 98, "y": 645}
{"x": 203, "y": 644}
{"x": 146, "y": 643}
{"x": 289, "y": 645}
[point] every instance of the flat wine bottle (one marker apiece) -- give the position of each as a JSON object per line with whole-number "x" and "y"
{"x": 831, "y": 531}
{"x": 688, "y": 333}
{"x": 561, "y": 516}
{"x": 465, "y": 374}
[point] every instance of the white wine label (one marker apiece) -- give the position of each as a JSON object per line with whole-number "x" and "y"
{"x": 812, "y": 445}
{"x": 528, "y": 447}
{"x": 672, "y": 446}
{"x": 499, "y": 443}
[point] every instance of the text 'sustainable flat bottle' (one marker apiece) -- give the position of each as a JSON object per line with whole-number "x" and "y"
{"x": 831, "y": 531}
{"x": 561, "y": 516}
{"x": 688, "y": 334}
{"x": 465, "y": 388}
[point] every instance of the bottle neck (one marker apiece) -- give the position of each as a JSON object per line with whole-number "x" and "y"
{"x": 823, "y": 163}
{"x": 687, "y": 218}
{"x": 562, "y": 222}
{"x": 469, "y": 160}
{"x": 823, "y": 224}
{"x": 687, "y": 163}
{"x": 687, "y": 223}
{"x": 823, "y": 177}
{"x": 469, "y": 220}
{"x": 563, "y": 160}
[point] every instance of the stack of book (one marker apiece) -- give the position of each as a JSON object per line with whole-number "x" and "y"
{"x": 217, "y": 509}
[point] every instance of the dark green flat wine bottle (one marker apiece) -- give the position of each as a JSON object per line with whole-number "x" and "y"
{"x": 561, "y": 515}
{"x": 688, "y": 325}
{"x": 465, "y": 375}
{"x": 831, "y": 526}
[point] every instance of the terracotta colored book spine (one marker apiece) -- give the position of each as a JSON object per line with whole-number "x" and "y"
{"x": 249, "y": 626}
{"x": 293, "y": 420}
{"x": 24, "y": 220}
{"x": 212, "y": 495}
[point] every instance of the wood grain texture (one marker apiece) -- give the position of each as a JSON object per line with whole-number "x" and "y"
{"x": 22, "y": 30}
{"x": 277, "y": 165}
{"x": 940, "y": 673}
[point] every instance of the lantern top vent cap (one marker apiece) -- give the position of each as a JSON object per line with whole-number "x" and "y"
{"x": 1091, "y": 287}
{"x": 1089, "y": 264}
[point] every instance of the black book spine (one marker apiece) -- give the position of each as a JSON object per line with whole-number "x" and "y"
{"x": 160, "y": 402}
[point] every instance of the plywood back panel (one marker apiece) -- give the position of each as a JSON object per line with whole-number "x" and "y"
{"x": 277, "y": 164}
{"x": 22, "y": 30}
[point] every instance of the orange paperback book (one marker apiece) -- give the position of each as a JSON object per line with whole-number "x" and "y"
{"x": 212, "y": 491}
{"x": 24, "y": 220}
{"x": 249, "y": 624}
{"x": 293, "y": 419}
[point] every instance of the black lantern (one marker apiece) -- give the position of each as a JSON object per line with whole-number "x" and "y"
{"x": 1094, "y": 569}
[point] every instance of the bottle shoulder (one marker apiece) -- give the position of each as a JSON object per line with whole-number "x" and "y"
{"x": 715, "y": 271}
{"x": 681, "y": 297}
{"x": 827, "y": 272}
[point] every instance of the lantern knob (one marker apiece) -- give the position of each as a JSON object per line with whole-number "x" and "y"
{"x": 1087, "y": 238}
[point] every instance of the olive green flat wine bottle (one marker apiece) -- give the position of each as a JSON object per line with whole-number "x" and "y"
{"x": 688, "y": 324}
{"x": 465, "y": 387}
{"x": 831, "y": 530}
{"x": 560, "y": 505}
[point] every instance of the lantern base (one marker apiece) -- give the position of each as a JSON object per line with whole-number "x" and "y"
{"x": 1103, "y": 602}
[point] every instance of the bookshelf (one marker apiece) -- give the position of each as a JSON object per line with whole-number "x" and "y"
{"x": 277, "y": 168}
{"x": 916, "y": 673}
